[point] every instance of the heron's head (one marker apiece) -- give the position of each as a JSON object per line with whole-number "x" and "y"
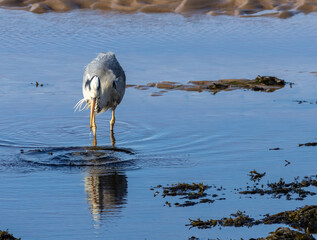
{"x": 93, "y": 87}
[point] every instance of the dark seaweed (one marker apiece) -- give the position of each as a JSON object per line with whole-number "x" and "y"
{"x": 5, "y": 235}
{"x": 255, "y": 176}
{"x": 189, "y": 192}
{"x": 309, "y": 144}
{"x": 238, "y": 219}
{"x": 283, "y": 233}
{"x": 281, "y": 188}
{"x": 304, "y": 219}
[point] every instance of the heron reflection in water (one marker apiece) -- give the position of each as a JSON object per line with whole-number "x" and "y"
{"x": 106, "y": 192}
{"x": 103, "y": 88}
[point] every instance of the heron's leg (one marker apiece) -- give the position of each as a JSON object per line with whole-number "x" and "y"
{"x": 94, "y": 126}
{"x": 113, "y": 139}
{"x": 92, "y": 117}
{"x": 94, "y": 141}
{"x": 113, "y": 120}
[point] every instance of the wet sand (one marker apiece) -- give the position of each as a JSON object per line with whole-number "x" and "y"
{"x": 281, "y": 8}
{"x": 54, "y": 184}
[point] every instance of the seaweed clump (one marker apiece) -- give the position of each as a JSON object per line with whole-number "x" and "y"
{"x": 309, "y": 144}
{"x": 281, "y": 188}
{"x": 286, "y": 234}
{"x": 38, "y": 84}
{"x": 303, "y": 219}
{"x": 5, "y": 235}
{"x": 269, "y": 81}
{"x": 275, "y": 149}
{"x": 238, "y": 219}
{"x": 260, "y": 83}
{"x": 202, "y": 224}
{"x": 255, "y": 176}
{"x": 190, "y": 192}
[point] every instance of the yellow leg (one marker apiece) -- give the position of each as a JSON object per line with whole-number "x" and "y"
{"x": 94, "y": 126}
{"x": 112, "y": 121}
{"x": 92, "y": 117}
{"x": 94, "y": 141}
{"x": 113, "y": 139}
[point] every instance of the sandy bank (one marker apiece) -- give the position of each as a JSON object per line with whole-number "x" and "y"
{"x": 279, "y": 8}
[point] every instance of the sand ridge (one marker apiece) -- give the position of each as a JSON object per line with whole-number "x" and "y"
{"x": 279, "y": 8}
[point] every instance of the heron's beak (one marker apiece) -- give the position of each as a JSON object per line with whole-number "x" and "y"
{"x": 92, "y": 114}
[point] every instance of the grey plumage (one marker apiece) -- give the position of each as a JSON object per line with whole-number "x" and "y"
{"x": 103, "y": 84}
{"x": 112, "y": 82}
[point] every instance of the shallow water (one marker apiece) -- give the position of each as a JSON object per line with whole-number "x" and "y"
{"x": 61, "y": 187}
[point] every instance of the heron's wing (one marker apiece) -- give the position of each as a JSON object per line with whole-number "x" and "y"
{"x": 119, "y": 85}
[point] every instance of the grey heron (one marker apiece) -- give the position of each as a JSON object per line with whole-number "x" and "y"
{"x": 103, "y": 87}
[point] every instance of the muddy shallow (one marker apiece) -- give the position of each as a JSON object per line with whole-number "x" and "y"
{"x": 179, "y": 137}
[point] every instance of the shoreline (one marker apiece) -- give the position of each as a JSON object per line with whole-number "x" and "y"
{"x": 243, "y": 8}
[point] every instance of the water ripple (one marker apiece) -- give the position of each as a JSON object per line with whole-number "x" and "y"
{"x": 87, "y": 156}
